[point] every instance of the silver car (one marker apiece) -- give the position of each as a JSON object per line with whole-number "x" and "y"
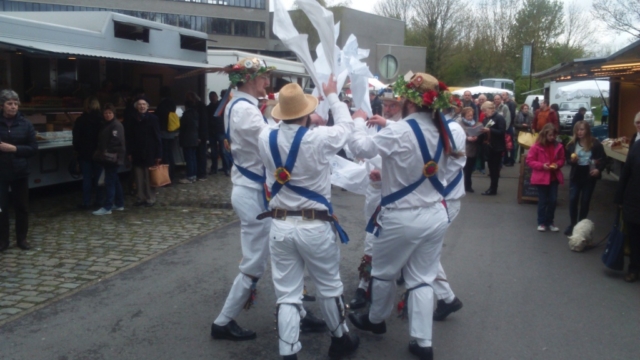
{"x": 569, "y": 109}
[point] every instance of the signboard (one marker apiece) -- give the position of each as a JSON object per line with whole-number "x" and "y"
{"x": 526, "y": 191}
{"x": 527, "y": 51}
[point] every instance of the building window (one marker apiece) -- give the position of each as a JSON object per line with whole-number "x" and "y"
{"x": 253, "y": 4}
{"x": 130, "y": 32}
{"x": 193, "y": 43}
{"x": 388, "y": 66}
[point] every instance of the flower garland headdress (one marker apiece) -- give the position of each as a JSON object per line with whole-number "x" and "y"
{"x": 247, "y": 70}
{"x": 424, "y": 90}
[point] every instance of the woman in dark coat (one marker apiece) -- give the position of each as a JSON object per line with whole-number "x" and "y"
{"x": 493, "y": 143}
{"x": 111, "y": 141}
{"x": 587, "y": 160}
{"x": 85, "y": 139}
{"x": 189, "y": 140}
{"x": 628, "y": 198}
{"x": 17, "y": 143}
{"x": 144, "y": 150}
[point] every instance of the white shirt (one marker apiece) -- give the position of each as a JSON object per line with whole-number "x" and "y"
{"x": 312, "y": 169}
{"x": 246, "y": 125}
{"x": 453, "y": 166}
{"x": 402, "y": 162}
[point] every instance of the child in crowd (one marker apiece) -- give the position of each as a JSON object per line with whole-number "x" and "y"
{"x": 546, "y": 158}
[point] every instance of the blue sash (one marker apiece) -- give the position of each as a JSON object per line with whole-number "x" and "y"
{"x": 288, "y": 166}
{"x": 372, "y": 227}
{"x": 260, "y": 179}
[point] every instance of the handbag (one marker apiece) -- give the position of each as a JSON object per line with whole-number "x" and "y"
{"x": 159, "y": 176}
{"x": 173, "y": 122}
{"x": 527, "y": 139}
{"x": 613, "y": 255}
{"x": 105, "y": 157}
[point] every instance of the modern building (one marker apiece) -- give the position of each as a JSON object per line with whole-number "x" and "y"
{"x": 245, "y": 25}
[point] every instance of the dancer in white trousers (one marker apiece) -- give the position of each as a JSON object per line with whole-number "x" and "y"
{"x": 297, "y": 162}
{"x": 244, "y": 123}
{"x": 413, "y": 218}
{"x": 392, "y": 111}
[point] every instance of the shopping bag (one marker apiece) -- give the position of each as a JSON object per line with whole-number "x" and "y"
{"x": 613, "y": 256}
{"x": 159, "y": 176}
{"x": 173, "y": 122}
{"x": 527, "y": 139}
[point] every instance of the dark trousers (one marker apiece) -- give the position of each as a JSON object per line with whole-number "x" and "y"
{"x": 113, "y": 188}
{"x": 580, "y": 192}
{"x": 494, "y": 162}
{"x": 190, "y": 158}
{"x": 547, "y": 200}
{"x": 604, "y": 119}
{"x": 20, "y": 196}
{"x": 201, "y": 156}
{"x": 91, "y": 172}
{"x": 469, "y": 168}
{"x": 216, "y": 144}
{"x": 633, "y": 230}
{"x": 167, "y": 155}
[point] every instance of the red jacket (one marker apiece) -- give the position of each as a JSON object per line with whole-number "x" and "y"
{"x": 537, "y": 157}
{"x": 552, "y": 119}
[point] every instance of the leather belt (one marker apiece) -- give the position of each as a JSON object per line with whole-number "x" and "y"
{"x": 307, "y": 214}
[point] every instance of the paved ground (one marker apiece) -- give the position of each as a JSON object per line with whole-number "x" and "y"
{"x": 74, "y": 248}
{"x": 526, "y": 296}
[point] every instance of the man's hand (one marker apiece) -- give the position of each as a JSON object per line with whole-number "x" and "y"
{"x": 472, "y": 138}
{"x": 375, "y": 175}
{"x": 6, "y": 147}
{"x": 359, "y": 114}
{"x": 317, "y": 120}
{"x": 594, "y": 173}
{"x": 331, "y": 87}
{"x": 377, "y": 120}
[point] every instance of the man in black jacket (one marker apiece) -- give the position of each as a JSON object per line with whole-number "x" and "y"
{"x": 493, "y": 140}
{"x": 578, "y": 117}
{"x": 203, "y": 134}
{"x": 17, "y": 144}
{"x": 216, "y": 135}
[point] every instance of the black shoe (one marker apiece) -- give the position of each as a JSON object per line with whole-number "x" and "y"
{"x": 443, "y": 310}
{"x": 424, "y": 353}
{"x": 489, "y": 193}
{"x": 4, "y": 246}
{"x": 359, "y": 301}
{"x": 311, "y": 323}
{"x": 308, "y": 298}
{"x": 231, "y": 331}
{"x": 361, "y": 321}
{"x": 400, "y": 280}
{"x": 290, "y": 357}
{"x": 343, "y": 346}
{"x": 569, "y": 230}
{"x": 24, "y": 245}
{"x": 469, "y": 190}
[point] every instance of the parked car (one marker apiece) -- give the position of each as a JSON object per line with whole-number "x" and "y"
{"x": 569, "y": 109}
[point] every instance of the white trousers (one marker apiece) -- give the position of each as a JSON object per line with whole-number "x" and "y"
{"x": 254, "y": 239}
{"x": 441, "y": 284}
{"x": 295, "y": 243}
{"x": 410, "y": 239}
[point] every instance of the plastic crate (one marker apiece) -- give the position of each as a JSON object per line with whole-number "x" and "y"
{"x": 600, "y": 132}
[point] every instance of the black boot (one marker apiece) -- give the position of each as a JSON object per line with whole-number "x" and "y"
{"x": 311, "y": 323}
{"x": 362, "y": 322}
{"x": 231, "y": 331}
{"x": 443, "y": 310}
{"x": 359, "y": 301}
{"x": 424, "y": 353}
{"x": 342, "y": 346}
{"x": 290, "y": 357}
{"x": 24, "y": 245}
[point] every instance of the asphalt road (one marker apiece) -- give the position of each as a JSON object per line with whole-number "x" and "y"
{"x": 525, "y": 295}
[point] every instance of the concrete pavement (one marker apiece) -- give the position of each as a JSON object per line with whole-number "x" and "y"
{"x": 526, "y": 296}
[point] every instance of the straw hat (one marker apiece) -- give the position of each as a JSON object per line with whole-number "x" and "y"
{"x": 293, "y": 103}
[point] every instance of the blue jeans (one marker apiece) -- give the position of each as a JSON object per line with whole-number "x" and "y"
{"x": 90, "y": 175}
{"x": 547, "y": 200}
{"x": 190, "y": 157}
{"x": 216, "y": 143}
{"x": 580, "y": 191}
{"x": 113, "y": 187}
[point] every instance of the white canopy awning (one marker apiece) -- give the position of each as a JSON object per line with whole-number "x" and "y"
{"x": 584, "y": 89}
{"x": 477, "y": 90}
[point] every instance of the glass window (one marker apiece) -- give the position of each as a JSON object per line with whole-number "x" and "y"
{"x": 388, "y": 66}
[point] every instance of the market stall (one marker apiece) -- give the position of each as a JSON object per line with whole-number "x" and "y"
{"x": 55, "y": 61}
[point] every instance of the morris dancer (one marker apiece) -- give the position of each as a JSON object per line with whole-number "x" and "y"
{"x": 302, "y": 234}
{"x": 392, "y": 111}
{"x": 244, "y": 123}
{"x": 413, "y": 218}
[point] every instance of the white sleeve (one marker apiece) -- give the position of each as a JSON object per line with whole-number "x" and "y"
{"x": 336, "y": 136}
{"x": 454, "y": 165}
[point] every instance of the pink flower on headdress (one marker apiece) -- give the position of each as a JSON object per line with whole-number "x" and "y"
{"x": 236, "y": 67}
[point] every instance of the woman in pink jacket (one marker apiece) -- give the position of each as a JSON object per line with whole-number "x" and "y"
{"x": 546, "y": 158}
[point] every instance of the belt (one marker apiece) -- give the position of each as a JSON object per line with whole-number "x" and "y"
{"x": 307, "y": 214}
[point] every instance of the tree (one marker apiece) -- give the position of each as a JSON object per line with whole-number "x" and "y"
{"x": 579, "y": 29}
{"x": 619, "y": 15}
{"x": 397, "y": 9}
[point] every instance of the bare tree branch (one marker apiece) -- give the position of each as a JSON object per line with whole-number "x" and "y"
{"x": 397, "y": 9}
{"x": 619, "y": 15}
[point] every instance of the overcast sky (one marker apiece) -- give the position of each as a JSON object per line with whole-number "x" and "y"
{"x": 617, "y": 41}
